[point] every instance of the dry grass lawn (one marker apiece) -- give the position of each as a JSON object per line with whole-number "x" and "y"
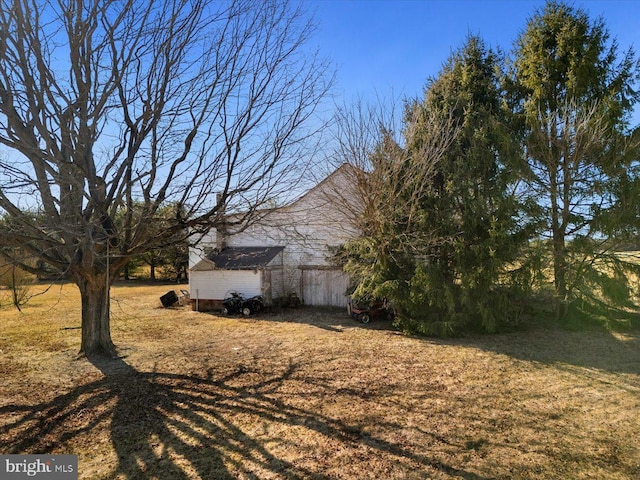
{"x": 313, "y": 394}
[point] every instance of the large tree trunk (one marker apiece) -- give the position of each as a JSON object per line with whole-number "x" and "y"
{"x": 558, "y": 244}
{"x": 96, "y": 333}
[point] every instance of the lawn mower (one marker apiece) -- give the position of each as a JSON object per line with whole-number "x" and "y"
{"x": 365, "y": 312}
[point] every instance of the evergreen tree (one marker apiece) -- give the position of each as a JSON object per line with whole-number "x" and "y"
{"x": 444, "y": 228}
{"x": 471, "y": 200}
{"x": 575, "y": 93}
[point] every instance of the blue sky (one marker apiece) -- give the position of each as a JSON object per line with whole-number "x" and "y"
{"x": 390, "y": 47}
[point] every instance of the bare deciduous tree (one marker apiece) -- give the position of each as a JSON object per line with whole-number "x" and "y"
{"x": 111, "y": 110}
{"x": 387, "y": 180}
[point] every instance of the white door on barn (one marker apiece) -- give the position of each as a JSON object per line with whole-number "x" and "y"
{"x": 324, "y": 287}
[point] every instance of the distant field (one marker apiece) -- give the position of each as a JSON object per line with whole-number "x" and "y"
{"x": 312, "y": 394}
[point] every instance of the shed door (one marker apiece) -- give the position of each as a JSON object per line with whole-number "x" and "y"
{"x": 325, "y": 288}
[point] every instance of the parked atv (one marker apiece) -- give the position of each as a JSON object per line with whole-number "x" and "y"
{"x": 237, "y": 304}
{"x": 252, "y": 305}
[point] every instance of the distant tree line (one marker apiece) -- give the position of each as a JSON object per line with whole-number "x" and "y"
{"x": 169, "y": 262}
{"x": 514, "y": 178}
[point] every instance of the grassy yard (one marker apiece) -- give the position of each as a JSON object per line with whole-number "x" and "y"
{"x": 313, "y": 394}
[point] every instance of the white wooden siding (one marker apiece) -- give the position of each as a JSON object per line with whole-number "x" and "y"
{"x": 323, "y": 287}
{"x": 308, "y": 227}
{"x": 216, "y": 284}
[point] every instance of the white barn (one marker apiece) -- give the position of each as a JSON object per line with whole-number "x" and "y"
{"x": 287, "y": 252}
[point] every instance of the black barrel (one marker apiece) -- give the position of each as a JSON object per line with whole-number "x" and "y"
{"x": 169, "y": 298}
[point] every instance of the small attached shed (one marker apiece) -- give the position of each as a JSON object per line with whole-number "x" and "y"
{"x": 247, "y": 270}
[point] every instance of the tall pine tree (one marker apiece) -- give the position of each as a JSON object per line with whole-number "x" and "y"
{"x": 462, "y": 278}
{"x": 575, "y": 94}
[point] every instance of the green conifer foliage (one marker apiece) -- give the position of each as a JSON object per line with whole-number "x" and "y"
{"x": 575, "y": 94}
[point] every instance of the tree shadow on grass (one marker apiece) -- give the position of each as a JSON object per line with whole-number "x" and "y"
{"x": 332, "y": 319}
{"x": 587, "y": 346}
{"x": 179, "y": 426}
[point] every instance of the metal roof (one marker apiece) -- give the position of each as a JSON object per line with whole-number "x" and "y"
{"x": 244, "y": 258}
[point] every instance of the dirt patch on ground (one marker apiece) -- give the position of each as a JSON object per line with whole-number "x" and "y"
{"x": 312, "y": 394}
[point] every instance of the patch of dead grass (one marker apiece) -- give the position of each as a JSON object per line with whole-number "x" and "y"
{"x": 312, "y": 394}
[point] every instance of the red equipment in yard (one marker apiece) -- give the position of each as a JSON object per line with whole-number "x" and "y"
{"x": 364, "y": 313}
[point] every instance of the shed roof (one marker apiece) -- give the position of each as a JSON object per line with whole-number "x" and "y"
{"x": 243, "y": 258}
